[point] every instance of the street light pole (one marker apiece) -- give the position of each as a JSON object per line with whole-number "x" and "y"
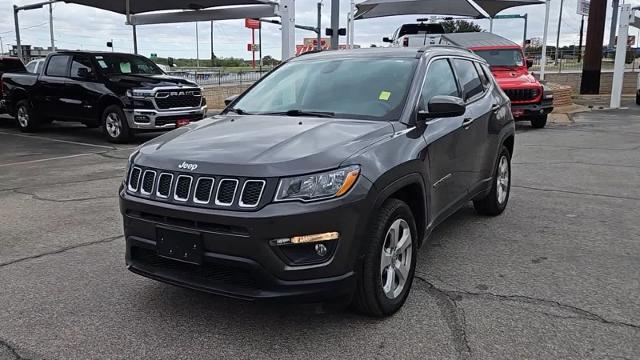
{"x": 197, "y": 47}
{"x": 558, "y": 34}
{"x": 543, "y": 58}
{"x": 53, "y": 46}
{"x": 335, "y": 23}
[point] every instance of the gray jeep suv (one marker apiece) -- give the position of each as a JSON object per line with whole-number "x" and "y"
{"x": 323, "y": 179}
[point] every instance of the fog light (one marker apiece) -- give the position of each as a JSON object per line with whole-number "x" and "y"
{"x": 321, "y": 250}
{"x": 141, "y": 119}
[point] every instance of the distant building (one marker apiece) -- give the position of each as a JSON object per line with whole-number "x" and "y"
{"x": 29, "y": 53}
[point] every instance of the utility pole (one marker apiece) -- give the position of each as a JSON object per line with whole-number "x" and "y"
{"x": 1, "y": 46}
{"x": 524, "y": 36}
{"x": 543, "y": 58}
{"x": 319, "y": 45}
{"x": 53, "y": 46}
{"x": 590, "y": 82}
{"x": 213, "y": 57}
{"x": 335, "y": 24}
{"x": 580, "y": 43}
{"x": 197, "y": 47}
{"x": 260, "y": 45}
{"x": 352, "y": 32}
{"x": 558, "y": 34}
{"x": 614, "y": 21}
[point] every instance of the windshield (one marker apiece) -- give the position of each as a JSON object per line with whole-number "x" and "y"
{"x": 503, "y": 57}
{"x": 358, "y": 88}
{"x": 422, "y": 28}
{"x": 119, "y": 64}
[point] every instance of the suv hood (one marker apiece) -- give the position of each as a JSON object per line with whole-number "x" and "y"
{"x": 514, "y": 77}
{"x": 149, "y": 81}
{"x": 261, "y": 145}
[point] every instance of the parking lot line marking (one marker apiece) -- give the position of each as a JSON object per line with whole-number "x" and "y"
{"x": 46, "y": 159}
{"x": 60, "y": 140}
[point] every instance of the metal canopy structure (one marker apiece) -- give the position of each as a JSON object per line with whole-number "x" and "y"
{"x": 379, "y": 8}
{"x": 473, "y": 8}
{"x": 140, "y": 12}
{"x": 143, "y": 6}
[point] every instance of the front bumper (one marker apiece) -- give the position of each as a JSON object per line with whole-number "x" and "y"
{"x": 240, "y": 259}
{"x": 151, "y": 119}
{"x": 526, "y": 111}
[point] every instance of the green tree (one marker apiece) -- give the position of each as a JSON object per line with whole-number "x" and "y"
{"x": 457, "y": 26}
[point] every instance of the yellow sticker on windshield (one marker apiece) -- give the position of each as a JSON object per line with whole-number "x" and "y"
{"x": 384, "y": 95}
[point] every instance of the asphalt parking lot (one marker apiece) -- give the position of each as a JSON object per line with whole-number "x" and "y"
{"x": 556, "y": 276}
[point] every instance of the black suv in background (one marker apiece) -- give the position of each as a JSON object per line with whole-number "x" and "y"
{"x": 323, "y": 179}
{"x": 123, "y": 93}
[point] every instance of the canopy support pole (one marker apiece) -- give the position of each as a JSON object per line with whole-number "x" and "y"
{"x": 135, "y": 40}
{"x": 53, "y": 45}
{"x": 287, "y": 11}
{"x": 491, "y": 25}
{"x": 335, "y": 24}
{"x": 621, "y": 52}
{"x": 543, "y": 58}
{"x": 15, "y": 21}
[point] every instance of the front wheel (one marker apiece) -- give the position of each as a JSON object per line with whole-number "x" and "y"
{"x": 386, "y": 274}
{"x": 539, "y": 121}
{"x": 27, "y": 120}
{"x": 496, "y": 201}
{"x": 114, "y": 124}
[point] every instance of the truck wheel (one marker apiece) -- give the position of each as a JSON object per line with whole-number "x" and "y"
{"x": 114, "y": 124}
{"x": 386, "y": 274}
{"x": 27, "y": 120}
{"x": 496, "y": 201}
{"x": 638, "y": 98}
{"x": 539, "y": 122}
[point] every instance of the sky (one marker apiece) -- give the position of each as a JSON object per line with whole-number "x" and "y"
{"x": 80, "y": 27}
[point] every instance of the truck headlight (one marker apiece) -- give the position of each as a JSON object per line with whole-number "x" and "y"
{"x": 318, "y": 186}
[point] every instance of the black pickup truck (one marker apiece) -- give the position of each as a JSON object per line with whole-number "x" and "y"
{"x": 8, "y": 64}
{"x": 123, "y": 93}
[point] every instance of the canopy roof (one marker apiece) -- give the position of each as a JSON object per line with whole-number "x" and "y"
{"x": 143, "y": 6}
{"x": 473, "y": 8}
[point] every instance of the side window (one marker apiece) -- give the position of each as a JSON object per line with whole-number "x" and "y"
{"x": 81, "y": 68}
{"x": 484, "y": 77}
{"x": 439, "y": 80}
{"x": 469, "y": 79}
{"x": 58, "y": 65}
{"x": 31, "y": 67}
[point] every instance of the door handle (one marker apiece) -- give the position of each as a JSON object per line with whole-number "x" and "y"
{"x": 467, "y": 122}
{"x": 495, "y": 107}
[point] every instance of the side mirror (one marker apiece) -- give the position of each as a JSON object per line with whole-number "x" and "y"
{"x": 441, "y": 106}
{"x": 529, "y": 63}
{"x": 230, "y": 99}
{"x": 386, "y": 39}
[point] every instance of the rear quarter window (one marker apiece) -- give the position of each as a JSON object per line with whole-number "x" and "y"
{"x": 57, "y": 65}
{"x": 11, "y": 65}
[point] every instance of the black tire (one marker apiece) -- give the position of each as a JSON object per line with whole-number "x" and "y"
{"x": 491, "y": 204}
{"x": 369, "y": 297}
{"x": 638, "y": 98}
{"x": 26, "y": 118}
{"x": 539, "y": 122}
{"x": 112, "y": 117}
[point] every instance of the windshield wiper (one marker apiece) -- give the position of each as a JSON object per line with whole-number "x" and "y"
{"x": 298, "y": 112}
{"x": 238, "y": 111}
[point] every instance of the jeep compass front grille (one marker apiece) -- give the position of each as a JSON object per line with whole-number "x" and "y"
{"x": 226, "y": 192}
{"x": 251, "y": 192}
{"x": 183, "y": 188}
{"x": 197, "y": 190}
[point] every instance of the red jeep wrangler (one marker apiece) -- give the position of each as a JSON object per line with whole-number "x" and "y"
{"x": 530, "y": 100}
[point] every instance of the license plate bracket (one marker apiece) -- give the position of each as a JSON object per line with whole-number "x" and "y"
{"x": 185, "y": 246}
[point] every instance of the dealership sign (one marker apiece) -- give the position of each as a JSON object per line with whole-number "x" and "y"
{"x": 252, "y": 23}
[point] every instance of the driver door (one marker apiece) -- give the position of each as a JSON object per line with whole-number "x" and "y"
{"x": 443, "y": 137}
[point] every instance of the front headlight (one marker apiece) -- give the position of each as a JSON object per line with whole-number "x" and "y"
{"x": 318, "y": 186}
{"x": 129, "y": 163}
{"x": 135, "y": 93}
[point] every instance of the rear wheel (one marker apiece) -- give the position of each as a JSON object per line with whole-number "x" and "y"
{"x": 386, "y": 275}
{"x": 496, "y": 201}
{"x": 539, "y": 121}
{"x": 114, "y": 124}
{"x": 27, "y": 120}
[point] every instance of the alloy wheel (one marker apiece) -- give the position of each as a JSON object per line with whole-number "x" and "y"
{"x": 23, "y": 117}
{"x": 396, "y": 257}
{"x": 113, "y": 125}
{"x": 502, "y": 180}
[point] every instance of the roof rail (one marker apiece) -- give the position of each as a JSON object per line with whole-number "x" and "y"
{"x": 445, "y": 46}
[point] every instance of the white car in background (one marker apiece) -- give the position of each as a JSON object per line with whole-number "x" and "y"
{"x": 35, "y": 66}
{"x": 416, "y": 35}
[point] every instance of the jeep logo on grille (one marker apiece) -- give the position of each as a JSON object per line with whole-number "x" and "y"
{"x": 187, "y": 166}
